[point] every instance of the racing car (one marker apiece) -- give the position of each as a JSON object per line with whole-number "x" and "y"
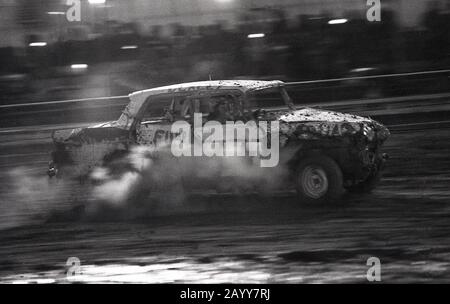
{"x": 321, "y": 153}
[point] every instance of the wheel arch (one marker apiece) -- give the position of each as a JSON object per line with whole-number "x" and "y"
{"x": 331, "y": 149}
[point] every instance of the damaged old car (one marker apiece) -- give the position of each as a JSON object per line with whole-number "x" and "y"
{"x": 321, "y": 153}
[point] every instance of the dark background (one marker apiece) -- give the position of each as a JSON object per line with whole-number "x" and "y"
{"x": 138, "y": 52}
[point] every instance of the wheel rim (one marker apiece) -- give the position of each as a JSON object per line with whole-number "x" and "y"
{"x": 314, "y": 181}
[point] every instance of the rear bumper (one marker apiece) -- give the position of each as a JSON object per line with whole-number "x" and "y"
{"x": 59, "y": 158}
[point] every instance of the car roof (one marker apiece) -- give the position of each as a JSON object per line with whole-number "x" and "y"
{"x": 241, "y": 85}
{"x": 138, "y": 99}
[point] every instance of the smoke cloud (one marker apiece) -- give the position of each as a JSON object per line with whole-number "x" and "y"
{"x": 148, "y": 181}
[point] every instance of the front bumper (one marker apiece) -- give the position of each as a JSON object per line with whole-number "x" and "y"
{"x": 375, "y": 165}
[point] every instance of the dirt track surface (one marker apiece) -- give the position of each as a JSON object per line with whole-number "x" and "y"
{"x": 405, "y": 223}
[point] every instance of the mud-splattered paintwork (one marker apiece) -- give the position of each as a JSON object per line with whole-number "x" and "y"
{"x": 88, "y": 147}
{"x": 308, "y": 124}
{"x": 309, "y": 114}
{"x": 153, "y": 134}
{"x": 92, "y": 155}
{"x": 242, "y": 85}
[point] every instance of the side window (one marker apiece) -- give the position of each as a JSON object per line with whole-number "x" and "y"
{"x": 225, "y": 108}
{"x": 265, "y": 99}
{"x": 177, "y": 106}
{"x": 187, "y": 107}
{"x": 156, "y": 108}
{"x": 221, "y": 107}
{"x": 204, "y": 106}
{"x": 161, "y": 107}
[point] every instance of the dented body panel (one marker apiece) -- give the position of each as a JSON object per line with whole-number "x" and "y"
{"x": 354, "y": 142}
{"x": 84, "y": 149}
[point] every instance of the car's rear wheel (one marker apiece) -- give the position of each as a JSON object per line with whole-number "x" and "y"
{"x": 319, "y": 180}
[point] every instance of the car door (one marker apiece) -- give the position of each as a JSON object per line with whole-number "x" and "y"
{"x": 203, "y": 170}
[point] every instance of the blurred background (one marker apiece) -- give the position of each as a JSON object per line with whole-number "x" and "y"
{"x": 120, "y": 46}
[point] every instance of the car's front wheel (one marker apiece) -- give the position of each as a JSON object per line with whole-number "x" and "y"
{"x": 319, "y": 180}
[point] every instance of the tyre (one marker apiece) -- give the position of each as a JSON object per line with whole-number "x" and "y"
{"x": 319, "y": 180}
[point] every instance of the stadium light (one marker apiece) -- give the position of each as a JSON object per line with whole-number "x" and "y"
{"x": 129, "y": 47}
{"x": 97, "y": 1}
{"x": 39, "y": 44}
{"x": 257, "y": 35}
{"x": 359, "y": 70}
{"x": 79, "y": 66}
{"x": 338, "y": 21}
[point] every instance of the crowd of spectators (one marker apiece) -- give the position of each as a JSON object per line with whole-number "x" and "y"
{"x": 308, "y": 48}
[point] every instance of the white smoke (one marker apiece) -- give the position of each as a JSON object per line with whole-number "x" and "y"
{"x": 160, "y": 176}
{"x": 148, "y": 181}
{"x": 117, "y": 191}
{"x": 27, "y": 197}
